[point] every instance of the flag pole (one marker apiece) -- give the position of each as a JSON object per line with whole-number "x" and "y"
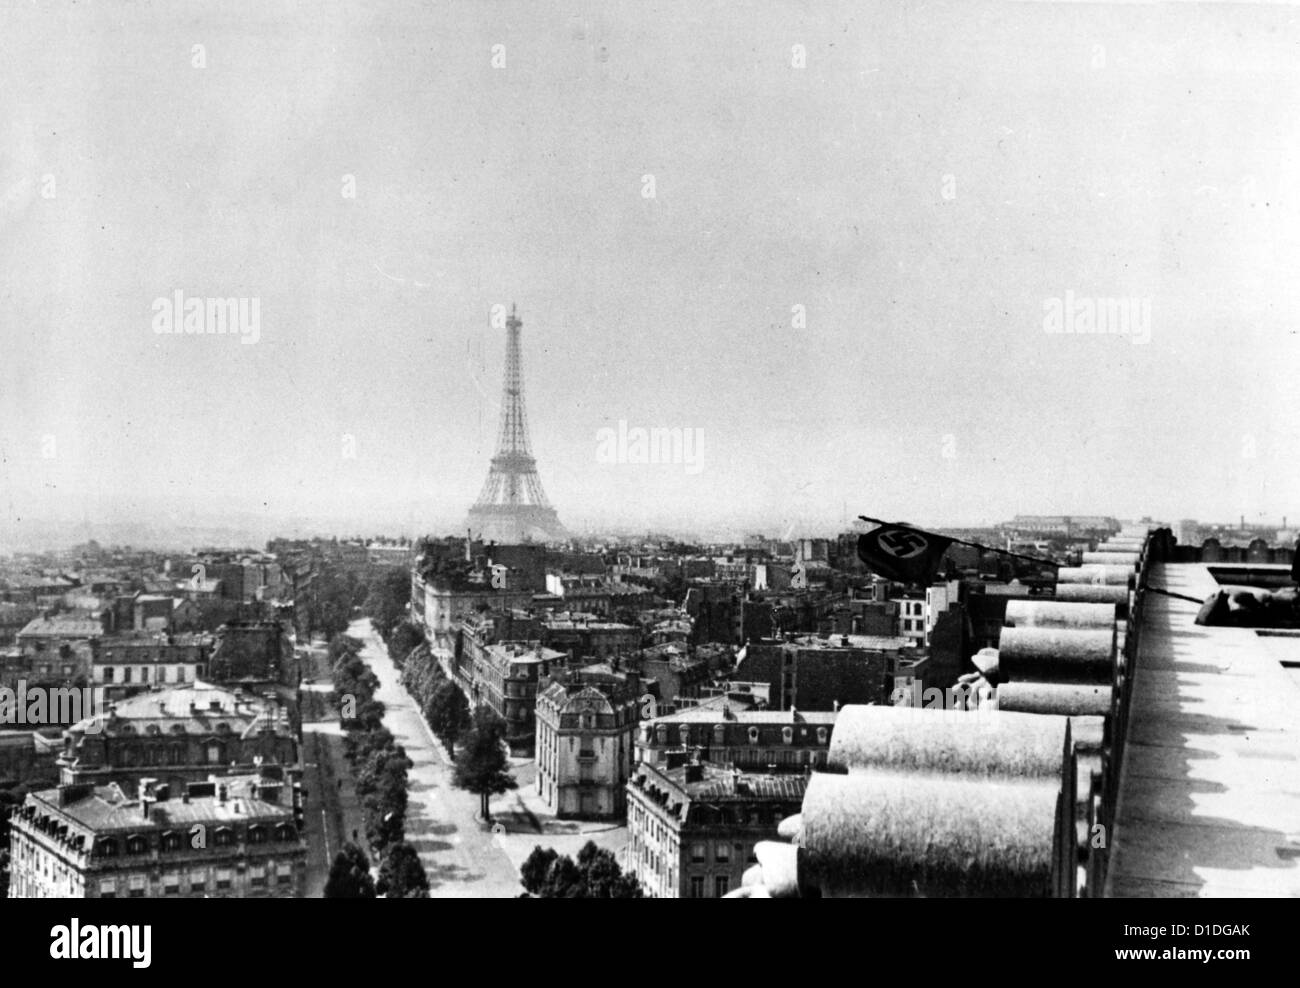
{"x": 975, "y": 545}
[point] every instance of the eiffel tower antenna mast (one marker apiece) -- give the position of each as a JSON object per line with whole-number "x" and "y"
{"x": 512, "y": 507}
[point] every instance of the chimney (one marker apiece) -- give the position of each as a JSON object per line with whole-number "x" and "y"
{"x": 147, "y": 797}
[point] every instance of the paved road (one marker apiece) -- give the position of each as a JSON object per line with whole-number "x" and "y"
{"x": 459, "y": 854}
{"x": 332, "y": 810}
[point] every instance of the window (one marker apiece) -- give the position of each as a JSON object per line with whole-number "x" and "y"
{"x": 721, "y": 885}
{"x": 283, "y": 873}
{"x": 172, "y": 841}
{"x": 257, "y": 876}
{"x": 126, "y": 674}
{"x": 697, "y": 886}
{"x": 137, "y": 845}
{"x": 172, "y": 883}
{"x": 198, "y": 880}
{"x": 108, "y": 674}
{"x": 223, "y": 878}
{"x": 144, "y": 674}
{"x": 722, "y": 853}
{"x": 697, "y": 853}
{"x": 787, "y": 734}
{"x": 136, "y": 887}
{"x": 108, "y": 888}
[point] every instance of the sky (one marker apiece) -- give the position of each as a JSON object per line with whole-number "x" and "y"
{"x": 825, "y": 238}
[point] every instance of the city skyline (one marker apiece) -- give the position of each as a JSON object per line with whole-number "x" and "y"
{"x": 844, "y": 252}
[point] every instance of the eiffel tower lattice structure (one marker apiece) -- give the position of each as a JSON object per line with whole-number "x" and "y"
{"x": 512, "y": 506}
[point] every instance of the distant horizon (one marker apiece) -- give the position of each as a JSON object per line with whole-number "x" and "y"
{"x": 232, "y": 537}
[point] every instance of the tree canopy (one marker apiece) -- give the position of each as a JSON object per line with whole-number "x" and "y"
{"x": 483, "y": 766}
{"x": 448, "y": 714}
{"x": 402, "y": 876}
{"x": 350, "y": 875}
{"x": 596, "y": 874}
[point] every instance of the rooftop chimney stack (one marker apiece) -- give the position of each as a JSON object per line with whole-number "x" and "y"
{"x": 147, "y": 797}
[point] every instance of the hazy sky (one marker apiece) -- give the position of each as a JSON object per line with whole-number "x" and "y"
{"x": 923, "y": 187}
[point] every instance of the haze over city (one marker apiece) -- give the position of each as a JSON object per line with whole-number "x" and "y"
{"x": 841, "y": 278}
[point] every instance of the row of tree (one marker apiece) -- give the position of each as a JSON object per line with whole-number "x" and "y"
{"x": 595, "y": 875}
{"x": 482, "y": 764}
{"x": 334, "y": 593}
{"x": 379, "y": 765}
{"x": 386, "y": 602}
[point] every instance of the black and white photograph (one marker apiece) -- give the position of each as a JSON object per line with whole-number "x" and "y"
{"x": 649, "y": 450}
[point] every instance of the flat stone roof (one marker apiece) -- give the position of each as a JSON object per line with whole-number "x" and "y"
{"x": 1209, "y": 798}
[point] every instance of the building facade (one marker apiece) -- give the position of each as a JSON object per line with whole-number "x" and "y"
{"x": 237, "y": 839}
{"x": 181, "y": 735}
{"x": 752, "y": 740}
{"x": 813, "y": 673}
{"x": 586, "y": 725}
{"x": 123, "y": 663}
{"x": 692, "y": 827}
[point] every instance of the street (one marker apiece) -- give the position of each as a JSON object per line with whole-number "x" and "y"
{"x": 462, "y": 856}
{"x": 459, "y": 853}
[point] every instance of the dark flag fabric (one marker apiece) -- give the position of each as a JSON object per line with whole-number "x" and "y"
{"x": 904, "y": 554}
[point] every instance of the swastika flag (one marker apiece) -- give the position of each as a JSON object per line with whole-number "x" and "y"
{"x": 907, "y": 555}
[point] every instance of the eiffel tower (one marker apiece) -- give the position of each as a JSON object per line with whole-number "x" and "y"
{"x": 512, "y": 506}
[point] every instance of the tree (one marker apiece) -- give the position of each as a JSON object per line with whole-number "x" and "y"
{"x": 595, "y": 875}
{"x": 350, "y": 875}
{"x": 402, "y": 876}
{"x": 448, "y": 714}
{"x": 386, "y": 603}
{"x": 532, "y": 874}
{"x": 603, "y": 877}
{"x": 483, "y": 767}
{"x": 405, "y": 638}
{"x": 329, "y": 609}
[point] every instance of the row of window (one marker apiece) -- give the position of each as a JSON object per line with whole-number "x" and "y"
{"x": 754, "y": 734}
{"x": 175, "y": 840}
{"x": 140, "y": 674}
{"x": 46, "y": 669}
{"x": 158, "y": 754}
{"x": 196, "y": 882}
{"x": 721, "y": 886}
